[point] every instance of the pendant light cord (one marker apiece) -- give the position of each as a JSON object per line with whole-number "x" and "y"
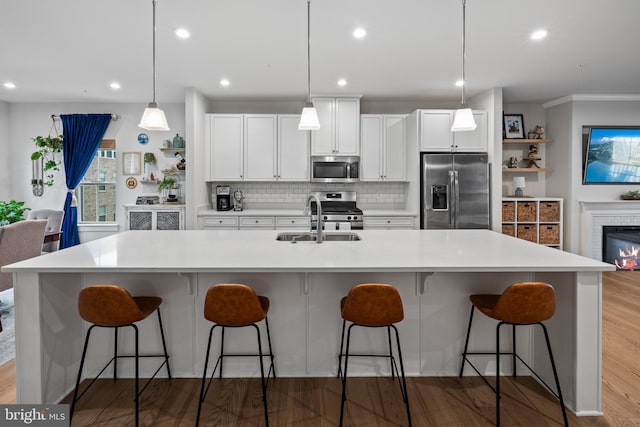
{"x": 308, "y": 50}
{"x": 154, "y": 51}
{"x": 464, "y": 82}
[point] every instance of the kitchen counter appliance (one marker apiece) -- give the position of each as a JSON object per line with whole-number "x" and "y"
{"x": 455, "y": 191}
{"x": 339, "y": 169}
{"x": 339, "y": 211}
{"x": 223, "y": 198}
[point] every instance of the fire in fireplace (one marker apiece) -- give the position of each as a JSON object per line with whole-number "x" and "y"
{"x": 621, "y": 246}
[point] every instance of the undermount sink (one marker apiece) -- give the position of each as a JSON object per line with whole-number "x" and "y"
{"x": 311, "y": 237}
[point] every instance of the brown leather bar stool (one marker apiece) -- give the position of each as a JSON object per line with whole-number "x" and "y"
{"x": 372, "y": 305}
{"x": 232, "y": 305}
{"x": 110, "y": 306}
{"x": 524, "y": 303}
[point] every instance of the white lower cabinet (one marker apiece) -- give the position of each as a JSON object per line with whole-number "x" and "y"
{"x": 293, "y": 222}
{"x": 222, "y": 222}
{"x": 257, "y": 222}
{"x": 389, "y": 223}
{"x": 154, "y": 217}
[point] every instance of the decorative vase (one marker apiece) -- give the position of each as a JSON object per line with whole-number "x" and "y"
{"x": 178, "y": 141}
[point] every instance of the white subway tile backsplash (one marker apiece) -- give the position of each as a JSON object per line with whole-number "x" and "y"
{"x": 292, "y": 195}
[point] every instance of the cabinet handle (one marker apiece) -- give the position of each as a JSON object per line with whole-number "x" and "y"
{"x": 293, "y": 221}
{"x": 256, "y": 221}
{"x": 220, "y": 222}
{"x": 388, "y": 221}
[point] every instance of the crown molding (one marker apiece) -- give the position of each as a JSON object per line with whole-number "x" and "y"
{"x": 590, "y": 97}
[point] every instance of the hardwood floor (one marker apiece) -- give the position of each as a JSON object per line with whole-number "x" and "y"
{"x": 376, "y": 401}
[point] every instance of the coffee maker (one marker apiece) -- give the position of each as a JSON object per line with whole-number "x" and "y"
{"x": 223, "y": 197}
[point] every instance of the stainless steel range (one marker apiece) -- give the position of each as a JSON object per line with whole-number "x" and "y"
{"x": 339, "y": 211}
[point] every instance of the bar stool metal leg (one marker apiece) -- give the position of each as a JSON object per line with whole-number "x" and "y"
{"x": 513, "y": 337}
{"x": 164, "y": 343}
{"x": 273, "y": 366}
{"x": 264, "y": 383}
{"x": 204, "y": 376}
{"x": 137, "y": 395}
{"x": 403, "y": 387}
{"x": 498, "y": 374}
{"x": 466, "y": 341}
{"x": 391, "y": 361}
{"x": 555, "y": 375}
{"x": 344, "y": 376}
{"x": 75, "y": 392}
{"x": 221, "y": 351}
{"x": 115, "y": 354}
{"x": 340, "y": 355}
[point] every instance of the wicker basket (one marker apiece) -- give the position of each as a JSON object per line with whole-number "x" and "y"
{"x": 509, "y": 230}
{"x": 549, "y": 234}
{"x": 549, "y": 211}
{"x": 508, "y": 211}
{"x": 528, "y": 232}
{"x": 527, "y": 211}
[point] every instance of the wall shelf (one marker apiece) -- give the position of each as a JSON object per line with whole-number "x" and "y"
{"x": 527, "y": 141}
{"x": 527, "y": 170}
{"x": 179, "y": 150}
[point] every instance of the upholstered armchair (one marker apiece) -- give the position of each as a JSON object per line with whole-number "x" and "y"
{"x": 54, "y": 225}
{"x": 19, "y": 241}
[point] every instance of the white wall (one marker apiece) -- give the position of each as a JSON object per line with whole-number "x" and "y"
{"x": 30, "y": 120}
{"x": 6, "y": 157}
{"x": 565, "y": 119}
{"x": 196, "y": 195}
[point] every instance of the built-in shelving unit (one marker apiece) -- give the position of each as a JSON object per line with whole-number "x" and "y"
{"x": 532, "y": 169}
{"x": 538, "y": 220}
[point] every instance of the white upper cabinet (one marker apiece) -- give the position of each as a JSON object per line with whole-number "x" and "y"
{"x": 225, "y": 146}
{"x": 475, "y": 140}
{"x": 293, "y": 149}
{"x": 383, "y": 147}
{"x": 339, "y": 132}
{"x": 256, "y": 147}
{"x": 260, "y": 134}
{"x": 436, "y": 135}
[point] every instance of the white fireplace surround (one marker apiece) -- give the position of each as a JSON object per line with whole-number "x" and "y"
{"x": 595, "y": 215}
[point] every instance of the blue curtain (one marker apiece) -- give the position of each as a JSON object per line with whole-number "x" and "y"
{"x": 82, "y": 136}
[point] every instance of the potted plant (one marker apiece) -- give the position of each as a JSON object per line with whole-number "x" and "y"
{"x": 11, "y": 212}
{"x": 48, "y": 146}
{"x": 169, "y": 188}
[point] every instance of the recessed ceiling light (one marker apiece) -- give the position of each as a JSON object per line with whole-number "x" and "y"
{"x": 460, "y": 83}
{"x": 225, "y": 82}
{"x": 9, "y": 85}
{"x": 182, "y": 33}
{"x": 114, "y": 85}
{"x": 359, "y": 33}
{"x": 342, "y": 82}
{"x": 539, "y": 34}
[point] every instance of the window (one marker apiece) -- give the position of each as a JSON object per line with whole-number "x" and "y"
{"x": 97, "y": 192}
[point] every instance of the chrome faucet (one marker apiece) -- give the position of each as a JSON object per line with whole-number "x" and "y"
{"x": 318, "y": 214}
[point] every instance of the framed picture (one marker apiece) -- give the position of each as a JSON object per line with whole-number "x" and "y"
{"x": 131, "y": 164}
{"x": 513, "y": 126}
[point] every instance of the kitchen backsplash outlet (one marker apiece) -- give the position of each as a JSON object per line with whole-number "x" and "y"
{"x": 262, "y": 195}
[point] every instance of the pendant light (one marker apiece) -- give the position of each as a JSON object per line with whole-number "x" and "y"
{"x": 309, "y": 118}
{"x": 463, "y": 119}
{"x": 153, "y": 117}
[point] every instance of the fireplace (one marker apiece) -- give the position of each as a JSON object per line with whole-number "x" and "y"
{"x": 621, "y": 245}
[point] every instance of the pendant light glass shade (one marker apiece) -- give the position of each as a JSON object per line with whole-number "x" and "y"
{"x": 153, "y": 118}
{"x": 463, "y": 119}
{"x": 309, "y": 118}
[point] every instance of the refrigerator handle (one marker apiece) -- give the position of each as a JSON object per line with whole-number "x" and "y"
{"x": 452, "y": 206}
{"x": 456, "y": 193}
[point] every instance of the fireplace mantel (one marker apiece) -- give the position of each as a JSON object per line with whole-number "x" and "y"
{"x": 595, "y": 214}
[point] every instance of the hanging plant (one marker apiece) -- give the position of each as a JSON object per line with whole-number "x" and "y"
{"x": 48, "y": 146}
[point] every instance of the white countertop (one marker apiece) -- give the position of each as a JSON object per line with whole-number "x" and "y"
{"x": 258, "y": 251}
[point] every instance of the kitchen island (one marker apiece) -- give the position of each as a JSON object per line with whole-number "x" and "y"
{"x": 434, "y": 270}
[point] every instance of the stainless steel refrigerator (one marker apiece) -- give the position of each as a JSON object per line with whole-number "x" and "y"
{"x": 455, "y": 191}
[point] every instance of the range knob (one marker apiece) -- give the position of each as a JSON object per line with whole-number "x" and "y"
{"x": 349, "y": 218}
{"x": 355, "y": 218}
{"x": 325, "y": 217}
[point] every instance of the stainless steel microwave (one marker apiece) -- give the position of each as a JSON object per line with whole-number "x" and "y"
{"x": 335, "y": 168}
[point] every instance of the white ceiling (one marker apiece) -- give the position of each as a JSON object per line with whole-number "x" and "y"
{"x": 70, "y": 50}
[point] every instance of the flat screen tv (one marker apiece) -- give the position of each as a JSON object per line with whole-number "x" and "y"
{"x": 611, "y": 154}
